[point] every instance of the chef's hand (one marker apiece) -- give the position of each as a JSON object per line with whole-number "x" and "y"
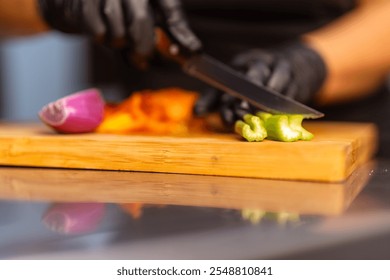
{"x": 296, "y": 71}
{"x": 122, "y": 24}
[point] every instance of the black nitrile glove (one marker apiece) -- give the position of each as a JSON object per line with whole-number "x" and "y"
{"x": 122, "y": 24}
{"x": 296, "y": 71}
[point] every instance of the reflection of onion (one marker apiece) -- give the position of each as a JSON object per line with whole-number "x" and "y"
{"x": 76, "y": 113}
{"x": 73, "y": 218}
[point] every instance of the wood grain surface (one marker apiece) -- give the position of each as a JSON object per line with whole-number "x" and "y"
{"x": 335, "y": 152}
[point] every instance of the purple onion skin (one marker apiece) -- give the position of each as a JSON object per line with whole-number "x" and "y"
{"x": 80, "y": 112}
{"x": 74, "y": 218}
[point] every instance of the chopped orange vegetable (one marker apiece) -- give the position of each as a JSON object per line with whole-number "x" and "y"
{"x": 119, "y": 123}
{"x": 165, "y": 111}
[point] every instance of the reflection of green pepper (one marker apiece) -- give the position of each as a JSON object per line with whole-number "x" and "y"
{"x": 255, "y": 216}
{"x": 252, "y": 128}
{"x": 285, "y": 128}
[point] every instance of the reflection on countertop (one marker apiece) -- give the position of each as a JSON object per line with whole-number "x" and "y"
{"x": 72, "y": 185}
{"x": 57, "y": 213}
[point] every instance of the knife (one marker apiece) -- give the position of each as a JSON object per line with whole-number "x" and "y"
{"x": 224, "y": 78}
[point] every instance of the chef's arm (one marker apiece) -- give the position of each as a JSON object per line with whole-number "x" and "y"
{"x": 20, "y": 17}
{"x": 355, "y": 49}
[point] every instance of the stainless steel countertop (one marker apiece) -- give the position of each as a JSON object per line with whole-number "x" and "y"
{"x": 361, "y": 231}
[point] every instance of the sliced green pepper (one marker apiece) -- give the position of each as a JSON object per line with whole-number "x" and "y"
{"x": 252, "y": 128}
{"x": 278, "y": 128}
{"x": 263, "y": 115}
{"x": 296, "y": 124}
{"x": 285, "y": 128}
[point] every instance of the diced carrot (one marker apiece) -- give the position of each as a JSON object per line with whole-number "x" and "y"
{"x": 165, "y": 111}
{"x": 119, "y": 123}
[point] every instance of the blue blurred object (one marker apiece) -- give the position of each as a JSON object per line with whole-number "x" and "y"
{"x": 39, "y": 69}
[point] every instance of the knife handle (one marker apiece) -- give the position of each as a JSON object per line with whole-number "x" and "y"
{"x": 167, "y": 48}
{"x": 164, "y": 45}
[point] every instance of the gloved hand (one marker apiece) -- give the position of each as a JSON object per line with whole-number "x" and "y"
{"x": 121, "y": 23}
{"x": 295, "y": 70}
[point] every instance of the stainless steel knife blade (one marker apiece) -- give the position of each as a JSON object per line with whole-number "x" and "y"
{"x": 226, "y": 79}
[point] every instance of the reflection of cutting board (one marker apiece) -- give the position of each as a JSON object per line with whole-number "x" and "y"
{"x": 71, "y": 185}
{"x": 337, "y": 150}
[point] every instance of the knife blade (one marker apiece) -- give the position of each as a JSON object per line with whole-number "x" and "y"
{"x": 220, "y": 76}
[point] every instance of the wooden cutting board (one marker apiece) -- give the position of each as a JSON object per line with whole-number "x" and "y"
{"x": 335, "y": 152}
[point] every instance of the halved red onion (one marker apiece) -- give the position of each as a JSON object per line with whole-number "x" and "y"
{"x": 79, "y": 112}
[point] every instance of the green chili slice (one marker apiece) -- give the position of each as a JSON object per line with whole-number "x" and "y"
{"x": 263, "y": 115}
{"x": 251, "y": 128}
{"x": 278, "y": 129}
{"x": 285, "y": 128}
{"x": 296, "y": 124}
